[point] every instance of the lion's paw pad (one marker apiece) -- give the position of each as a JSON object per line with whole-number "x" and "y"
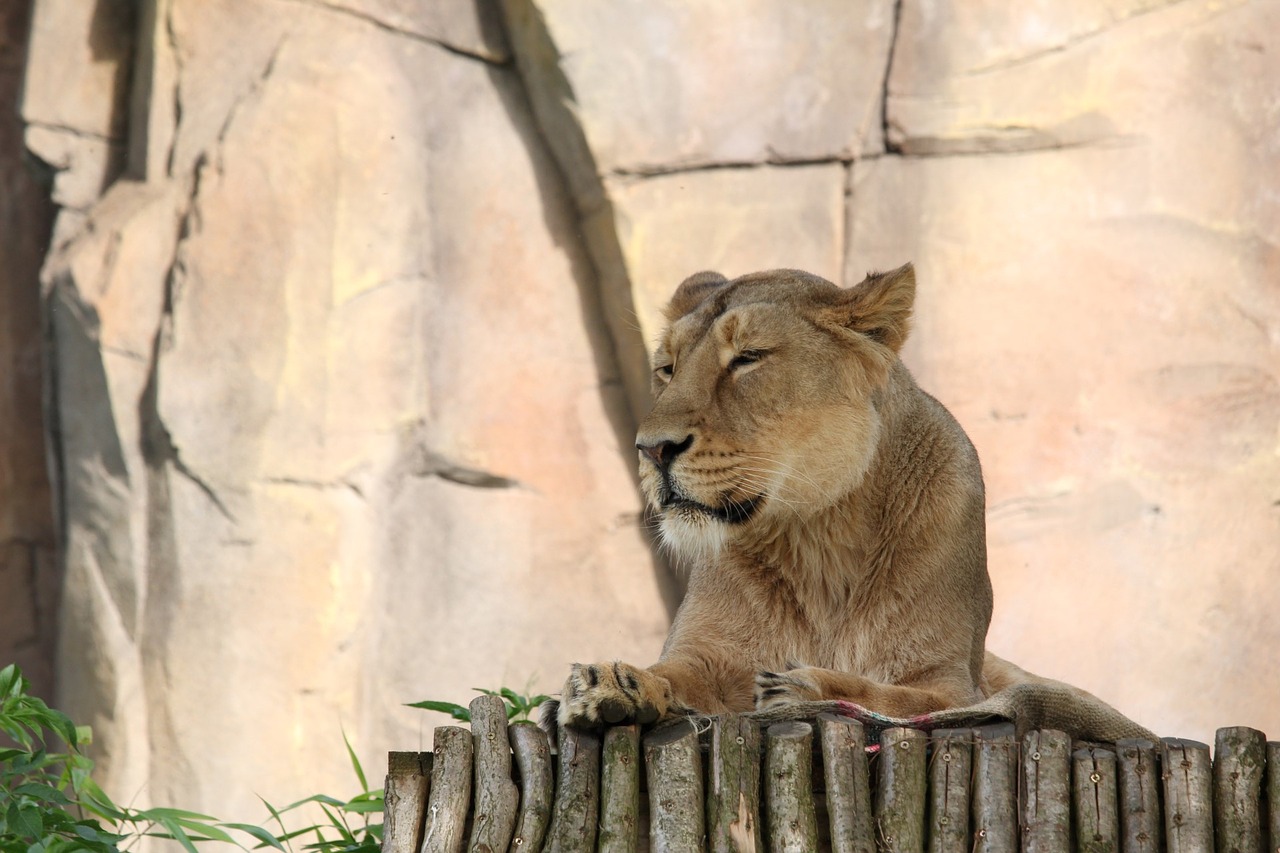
{"x": 612, "y": 693}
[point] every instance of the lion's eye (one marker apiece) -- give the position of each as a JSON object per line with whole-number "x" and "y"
{"x": 749, "y": 356}
{"x": 664, "y": 372}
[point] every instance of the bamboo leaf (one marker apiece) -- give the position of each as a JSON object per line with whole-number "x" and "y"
{"x": 267, "y": 839}
{"x": 453, "y": 709}
{"x": 355, "y": 762}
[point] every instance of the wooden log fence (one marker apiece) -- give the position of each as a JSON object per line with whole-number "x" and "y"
{"x": 827, "y": 784}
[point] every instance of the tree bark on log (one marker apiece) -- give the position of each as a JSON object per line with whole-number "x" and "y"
{"x": 577, "y": 804}
{"x": 844, "y": 768}
{"x": 733, "y": 798}
{"x": 1093, "y": 773}
{"x": 1188, "y": 800}
{"x": 1137, "y": 784}
{"x": 673, "y": 764}
{"x": 900, "y": 795}
{"x": 1046, "y": 815}
{"x": 405, "y": 801}
{"x": 620, "y": 790}
{"x": 450, "y": 790}
{"x": 995, "y": 788}
{"x": 950, "y": 772}
{"x": 1239, "y": 763}
{"x": 496, "y": 796}
{"x": 792, "y": 820}
{"x": 532, "y": 753}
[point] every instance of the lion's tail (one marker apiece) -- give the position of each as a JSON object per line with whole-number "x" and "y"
{"x": 1034, "y": 701}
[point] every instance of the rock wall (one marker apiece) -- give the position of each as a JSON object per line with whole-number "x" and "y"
{"x": 28, "y": 566}
{"x": 349, "y": 305}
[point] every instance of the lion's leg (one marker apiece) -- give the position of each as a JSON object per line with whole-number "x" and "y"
{"x": 616, "y": 692}
{"x": 808, "y": 683}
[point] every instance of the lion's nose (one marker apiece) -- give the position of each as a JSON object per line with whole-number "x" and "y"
{"x": 663, "y": 453}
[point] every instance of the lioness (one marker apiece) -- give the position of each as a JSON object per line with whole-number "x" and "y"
{"x": 831, "y": 512}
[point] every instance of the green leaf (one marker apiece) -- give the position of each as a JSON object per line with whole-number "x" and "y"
{"x": 177, "y": 833}
{"x": 267, "y": 839}
{"x": 354, "y": 807}
{"x": 40, "y": 791}
{"x": 340, "y": 825}
{"x": 458, "y": 712}
{"x": 274, "y": 813}
{"x": 355, "y": 762}
{"x": 96, "y": 801}
{"x": 11, "y": 681}
{"x": 160, "y": 813}
{"x": 26, "y": 821}
{"x": 513, "y": 697}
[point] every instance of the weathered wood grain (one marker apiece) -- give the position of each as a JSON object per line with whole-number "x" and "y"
{"x": 405, "y": 801}
{"x": 532, "y": 751}
{"x": 1188, "y": 796}
{"x": 1046, "y": 807}
{"x": 1093, "y": 781}
{"x": 950, "y": 771}
{"x": 575, "y": 812}
{"x": 900, "y": 794}
{"x": 493, "y": 815}
{"x": 620, "y": 790}
{"x": 1137, "y": 789}
{"x": 995, "y": 789}
{"x": 450, "y": 797}
{"x": 673, "y": 767}
{"x": 733, "y": 790}
{"x": 844, "y": 770}
{"x": 788, "y": 768}
{"x": 1239, "y": 765}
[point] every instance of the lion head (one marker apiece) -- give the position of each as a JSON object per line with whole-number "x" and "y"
{"x": 767, "y": 391}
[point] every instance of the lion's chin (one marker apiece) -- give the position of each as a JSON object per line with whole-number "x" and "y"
{"x": 692, "y": 535}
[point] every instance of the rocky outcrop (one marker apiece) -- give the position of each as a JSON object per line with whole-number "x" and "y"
{"x": 349, "y": 306}
{"x": 339, "y": 424}
{"x": 28, "y": 568}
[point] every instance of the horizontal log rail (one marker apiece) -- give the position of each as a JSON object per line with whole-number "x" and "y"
{"x": 827, "y": 784}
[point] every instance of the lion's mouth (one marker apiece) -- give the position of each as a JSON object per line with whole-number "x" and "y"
{"x": 730, "y": 512}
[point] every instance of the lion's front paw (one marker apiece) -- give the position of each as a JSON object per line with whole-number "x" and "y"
{"x": 782, "y": 688}
{"x": 612, "y": 693}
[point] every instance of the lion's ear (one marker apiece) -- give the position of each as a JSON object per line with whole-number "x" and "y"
{"x": 880, "y": 306}
{"x": 691, "y": 292}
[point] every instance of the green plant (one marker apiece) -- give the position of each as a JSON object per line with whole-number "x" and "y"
{"x": 50, "y": 804}
{"x": 519, "y": 706}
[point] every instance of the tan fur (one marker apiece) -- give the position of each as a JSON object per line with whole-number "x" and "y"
{"x": 832, "y": 513}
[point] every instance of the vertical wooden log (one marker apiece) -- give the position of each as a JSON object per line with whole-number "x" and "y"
{"x": 673, "y": 766}
{"x": 577, "y": 804}
{"x": 788, "y": 773}
{"x": 1188, "y": 803}
{"x": 532, "y": 753}
{"x": 844, "y": 768}
{"x": 496, "y": 796}
{"x": 405, "y": 801}
{"x": 1137, "y": 783}
{"x": 995, "y": 789}
{"x": 1046, "y": 809}
{"x": 900, "y": 796}
{"x": 733, "y": 801}
{"x": 450, "y": 791}
{"x": 620, "y": 790}
{"x": 1093, "y": 775}
{"x": 1239, "y": 763}
{"x": 950, "y": 771}
{"x": 1273, "y": 796}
